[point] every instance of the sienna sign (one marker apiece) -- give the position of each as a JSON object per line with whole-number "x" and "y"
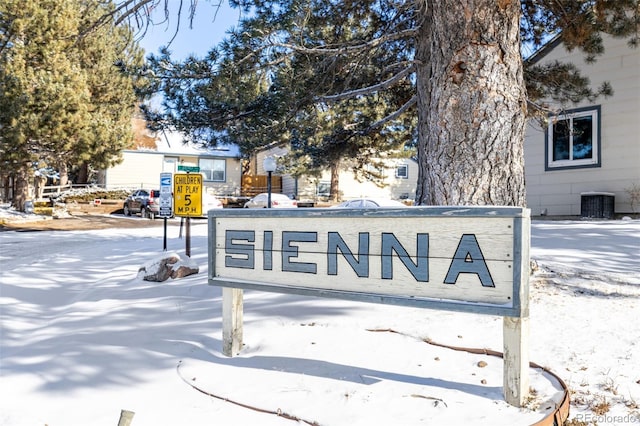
{"x": 471, "y": 259}
{"x": 461, "y": 259}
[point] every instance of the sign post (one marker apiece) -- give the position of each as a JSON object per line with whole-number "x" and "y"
{"x": 467, "y": 259}
{"x": 188, "y": 200}
{"x": 165, "y": 201}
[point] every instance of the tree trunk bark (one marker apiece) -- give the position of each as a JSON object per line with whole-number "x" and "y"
{"x": 83, "y": 173}
{"x": 471, "y": 104}
{"x": 335, "y": 181}
{"x": 63, "y": 172}
{"x": 7, "y": 187}
{"x": 22, "y": 179}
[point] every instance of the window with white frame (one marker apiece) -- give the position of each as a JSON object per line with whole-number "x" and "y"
{"x": 169, "y": 164}
{"x": 324, "y": 188}
{"x": 573, "y": 139}
{"x": 213, "y": 169}
{"x": 402, "y": 171}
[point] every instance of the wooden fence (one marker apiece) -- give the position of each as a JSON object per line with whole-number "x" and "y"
{"x": 254, "y": 185}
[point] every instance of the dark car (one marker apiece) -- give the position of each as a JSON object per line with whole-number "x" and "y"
{"x": 144, "y": 202}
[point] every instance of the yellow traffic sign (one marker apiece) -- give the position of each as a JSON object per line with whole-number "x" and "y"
{"x": 187, "y": 194}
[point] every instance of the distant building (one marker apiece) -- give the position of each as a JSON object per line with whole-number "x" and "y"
{"x": 165, "y": 152}
{"x": 399, "y": 183}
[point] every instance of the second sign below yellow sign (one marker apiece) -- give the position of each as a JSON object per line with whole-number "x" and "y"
{"x": 187, "y": 194}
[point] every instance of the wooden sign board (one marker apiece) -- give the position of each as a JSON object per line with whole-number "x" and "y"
{"x": 458, "y": 259}
{"x": 469, "y": 259}
{"x": 187, "y": 194}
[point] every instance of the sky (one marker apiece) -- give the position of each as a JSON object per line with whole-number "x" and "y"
{"x": 209, "y": 27}
{"x": 84, "y": 336}
{"x": 211, "y": 21}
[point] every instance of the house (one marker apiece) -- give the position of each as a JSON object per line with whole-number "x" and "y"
{"x": 400, "y": 180}
{"x": 165, "y": 152}
{"x": 225, "y": 176}
{"x": 588, "y": 150}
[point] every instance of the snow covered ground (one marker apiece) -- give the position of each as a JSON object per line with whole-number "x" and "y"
{"x": 83, "y": 337}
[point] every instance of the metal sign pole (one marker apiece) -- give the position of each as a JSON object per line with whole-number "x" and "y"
{"x": 188, "y": 238}
{"x": 166, "y": 202}
{"x": 164, "y": 240}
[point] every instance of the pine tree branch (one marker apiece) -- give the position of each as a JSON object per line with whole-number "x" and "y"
{"x": 411, "y": 102}
{"x": 370, "y": 89}
{"x": 327, "y": 50}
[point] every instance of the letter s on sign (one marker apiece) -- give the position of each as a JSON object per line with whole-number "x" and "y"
{"x": 245, "y": 252}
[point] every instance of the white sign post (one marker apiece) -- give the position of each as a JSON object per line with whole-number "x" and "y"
{"x": 468, "y": 259}
{"x": 166, "y": 203}
{"x": 166, "y": 197}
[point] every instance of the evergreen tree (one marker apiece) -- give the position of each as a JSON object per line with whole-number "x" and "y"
{"x": 455, "y": 66}
{"x": 263, "y": 94}
{"x": 64, "y": 100}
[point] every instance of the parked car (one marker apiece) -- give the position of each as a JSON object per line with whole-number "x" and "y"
{"x": 147, "y": 203}
{"x": 370, "y": 203}
{"x": 144, "y": 202}
{"x": 209, "y": 202}
{"x": 277, "y": 201}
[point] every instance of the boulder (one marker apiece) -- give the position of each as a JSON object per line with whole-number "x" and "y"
{"x": 167, "y": 265}
{"x": 183, "y": 270}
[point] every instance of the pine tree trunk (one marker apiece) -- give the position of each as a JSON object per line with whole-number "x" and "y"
{"x": 83, "y": 173}
{"x": 7, "y": 188}
{"x": 335, "y": 180}
{"x": 63, "y": 172}
{"x": 471, "y": 104}
{"x": 21, "y": 195}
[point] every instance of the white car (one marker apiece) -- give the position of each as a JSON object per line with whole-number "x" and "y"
{"x": 370, "y": 203}
{"x": 210, "y": 202}
{"x": 277, "y": 201}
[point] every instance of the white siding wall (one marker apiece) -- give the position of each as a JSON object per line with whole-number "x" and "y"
{"x": 289, "y": 185}
{"x": 233, "y": 176}
{"x": 394, "y": 188}
{"x": 139, "y": 169}
{"x": 233, "y": 181}
{"x": 275, "y": 152}
{"x": 558, "y": 191}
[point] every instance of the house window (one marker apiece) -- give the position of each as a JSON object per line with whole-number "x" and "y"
{"x": 169, "y": 164}
{"x": 402, "y": 171}
{"x": 324, "y": 188}
{"x": 212, "y": 169}
{"x": 573, "y": 139}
